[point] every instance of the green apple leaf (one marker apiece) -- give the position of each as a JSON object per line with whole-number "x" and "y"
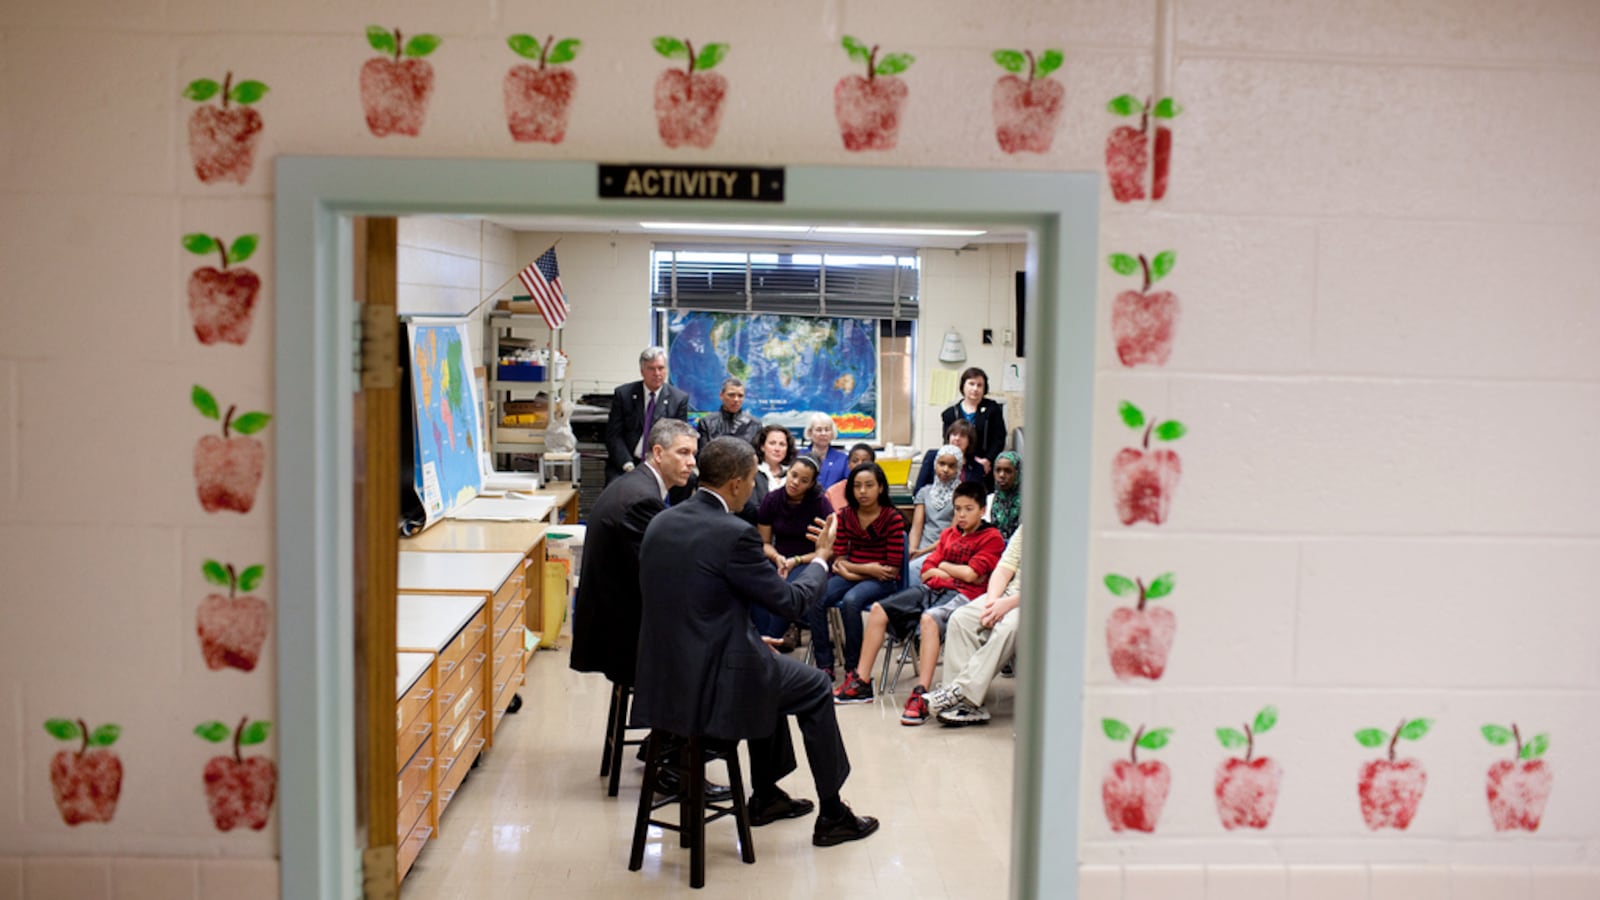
{"x": 671, "y": 48}
{"x": 251, "y": 422}
{"x": 1125, "y": 105}
{"x": 1265, "y": 719}
{"x": 242, "y": 248}
{"x": 215, "y": 572}
{"x": 1123, "y": 264}
{"x": 201, "y": 89}
{"x": 247, "y": 92}
{"x": 1170, "y": 431}
{"x": 894, "y": 64}
{"x": 709, "y": 56}
{"x": 1162, "y": 264}
{"x": 199, "y": 244}
{"x": 421, "y": 45}
{"x": 1166, "y": 109}
{"x": 524, "y": 45}
{"x": 1372, "y": 737}
{"x": 564, "y": 51}
{"x": 1132, "y": 416}
{"x": 255, "y": 733}
{"x": 62, "y": 729}
{"x": 213, "y": 731}
{"x": 1497, "y": 734}
{"x": 1010, "y": 60}
{"x": 1161, "y": 587}
{"x": 857, "y": 50}
{"x": 105, "y": 735}
{"x": 1415, "y": 729}
{"x": 1049, "y": 61}
{"x": 1231, "y": 737}
{"x": 381, "y": 39}
{"x": 1155, "y": 740}
{"x": 250, "y": 578}
{"x": 203, "y": 401}
{"x": 1121, "y": 586}
{"x": 1115, "y": 730}
{"x": 1536, "y": 747}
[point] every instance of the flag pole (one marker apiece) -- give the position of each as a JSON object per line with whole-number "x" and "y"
{"x": 508, "y": 281}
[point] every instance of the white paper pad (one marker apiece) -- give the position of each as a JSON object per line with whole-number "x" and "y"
{"x": 505, "y": 509}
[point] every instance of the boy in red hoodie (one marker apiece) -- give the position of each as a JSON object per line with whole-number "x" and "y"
{"x": 956, "y": 572}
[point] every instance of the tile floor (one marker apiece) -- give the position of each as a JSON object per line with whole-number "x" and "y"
{"x": 533, "y": 819}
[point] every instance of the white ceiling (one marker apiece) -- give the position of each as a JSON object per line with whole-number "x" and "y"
{"x": 602, "y": 225}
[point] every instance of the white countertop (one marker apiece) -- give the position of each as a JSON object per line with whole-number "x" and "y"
{"x": 410, "y": 668}
{"x": 485, "y": 572}
{"x": 429, "y": 621}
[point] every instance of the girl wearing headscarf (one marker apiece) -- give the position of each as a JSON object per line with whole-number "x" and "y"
{"x": 1005, "y": 504}
{"x": 935, "y": 509}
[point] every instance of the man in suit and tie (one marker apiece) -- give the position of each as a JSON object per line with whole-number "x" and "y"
{"x": 635, "y": 407}
{"x": 704, "y": 669}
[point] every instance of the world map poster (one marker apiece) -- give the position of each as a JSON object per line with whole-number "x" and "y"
{"x": 448, "y": 427}
{"x": 792, "y": 366}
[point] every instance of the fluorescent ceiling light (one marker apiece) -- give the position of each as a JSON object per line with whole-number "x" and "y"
{"x": 929, "y": 232}
{"x": 719, "y": 226}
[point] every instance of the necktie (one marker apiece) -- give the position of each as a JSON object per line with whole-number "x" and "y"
{"x": 649, "y": 419}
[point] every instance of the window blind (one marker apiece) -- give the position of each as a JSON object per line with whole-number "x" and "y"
{"x": 860, "y": 282}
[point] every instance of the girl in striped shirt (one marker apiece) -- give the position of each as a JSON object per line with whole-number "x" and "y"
{"x": 868, "y": 551}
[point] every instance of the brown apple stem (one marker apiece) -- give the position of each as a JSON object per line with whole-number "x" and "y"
{"x": 233, "y": 581}
{"x": 227, "y": 86}
{"x": 544, "y": 52}
{"x": 227, "y": 420}
{"x": 1133, "y": 749}
{"x": 237, "y": 734}
{"x": 1032, "y": 67}
{"x": 1140, "y": 583}
{"x": 1250, "y": 742}
{"x": 872, "y": 62}
{"x": 83, "y": 728}
{"x": 689, "y": 89}
{"x": 1145, "y": 265}
{"x": 1147, "y": 430}
{"x": 1518, "y": 735}
{"x": 222, "y": 250}
{"x": 1396, "y": 739}
{"x": 399, "y": 42}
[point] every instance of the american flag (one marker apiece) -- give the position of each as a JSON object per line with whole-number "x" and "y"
{"x": 542, "y": 278}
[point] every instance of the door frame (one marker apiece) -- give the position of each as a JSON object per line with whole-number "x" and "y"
{"x": 316, "y": 378}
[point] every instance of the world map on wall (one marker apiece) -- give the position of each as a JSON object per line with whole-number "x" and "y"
{"x": 447, "y": 471}
{"x": 792, "y": 366}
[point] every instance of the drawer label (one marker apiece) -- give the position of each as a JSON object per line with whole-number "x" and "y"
{"x": 461, "y": 704}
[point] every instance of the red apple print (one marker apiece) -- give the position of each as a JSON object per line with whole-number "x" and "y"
{"x": 1133, "y": 792}
{"x": 1518, "y": 788}
{"x": 222, "y": 140}
{"x": 1143, "y": 480}
{"x": 1142, "y": 321}
{"x": 1247, "y": 789}
{"x": 689, "y": 100}
{"x": 1127, "y": 154}
{"x": 232, "y": 628}
{"x": 868, "y": 109}
{"x": 1139, "y": 638}
{"x": 221, "y": 300}
{"x": 394, "y": 92}
{"x": 1390, "y": 789}
{"x": 1026, "y": 111}
{"x": 86, "y": 782}
{"x": 537, "y": 99}
{"x": 227, "y": 470}
{"x": 239, "y": 791}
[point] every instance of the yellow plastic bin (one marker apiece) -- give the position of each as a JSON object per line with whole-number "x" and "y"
{"x": 898, "y": 471}
{"x": 555, "y": 600}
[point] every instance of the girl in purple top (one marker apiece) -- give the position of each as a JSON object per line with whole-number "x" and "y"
{"x": 783, "y": 518}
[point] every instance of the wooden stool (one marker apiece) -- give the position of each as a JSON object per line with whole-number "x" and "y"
{"x": 616, "y": 736}
{"x": 687, "y": 757}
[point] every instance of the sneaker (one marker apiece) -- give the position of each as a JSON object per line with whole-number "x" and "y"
{"x": 854, "y": 690}
{"x": 965, "y": 712}
{"x": 916, "y": 712}
{"x": 944, "y": 697}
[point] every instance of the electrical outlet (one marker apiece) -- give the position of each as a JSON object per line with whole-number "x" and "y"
{"x": 1007, "y": 339}
{"x": 988, "y": 336}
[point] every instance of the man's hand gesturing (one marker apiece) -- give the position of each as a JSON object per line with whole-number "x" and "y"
{"x": 822, "y": 532}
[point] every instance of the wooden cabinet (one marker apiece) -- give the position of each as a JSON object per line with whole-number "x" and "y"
{"x": 414, "y": 728}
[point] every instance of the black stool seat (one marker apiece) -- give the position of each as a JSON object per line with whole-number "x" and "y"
{"x": 687, "y": 757}
{"x": 617, "y": 736}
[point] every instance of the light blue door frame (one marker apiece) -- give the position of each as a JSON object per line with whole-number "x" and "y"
{"x": 316, "y": 196}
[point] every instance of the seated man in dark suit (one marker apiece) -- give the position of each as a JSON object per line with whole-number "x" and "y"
{"x": 635, "y": 408}
{"x": 703, "y": 667}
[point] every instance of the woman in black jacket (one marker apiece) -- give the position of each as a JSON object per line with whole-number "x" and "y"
{"x": 987, "y": 418}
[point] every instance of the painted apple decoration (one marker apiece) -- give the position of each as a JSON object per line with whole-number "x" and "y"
{"x": 1133, "y": 792}
{"x": 1519, "y": 787}
{"x": 537, "y": 98}
{"x": 868, "y": 108}
{"x": 221, "y": 300}
{"x": 1143, "y": 321}
{"x": 1390, "y": 789}
{"x": 222, "y": 139}
{"x": 395, "y": 91}
{"x": 689, "y": 100}
{"x": 1139, "y": 638}
{"x": 1247, "y": 789}
{"x": 232, "y": 628}
{"x": 1026, "y": 111}
{"x": 1127, "y": 152}
{"x": 227, "y": 469}
{"x": 239, "y": 791}
{"x": 1143, "y": 480}
{"x": 86, "y": 782}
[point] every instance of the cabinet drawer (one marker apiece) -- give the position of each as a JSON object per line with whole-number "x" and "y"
{"x": 510, "y": 592}
{"x": 414, "y": 779}
{"x": 414, "y": 812}
{"x": 414, "y": 703}
{"x": 509, "y": 618}
{"x": 411, "y": 845}
{"x": 416, "y": 739}
{"x": 460, "y": 709}
{"x": 465, "y": 672}
{"x": 507, "y": 677}
{"x": 466, "y": 641}
{"x": 450, "y": 777}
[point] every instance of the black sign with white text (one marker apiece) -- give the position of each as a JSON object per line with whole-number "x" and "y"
{"x": 648, "y": 181}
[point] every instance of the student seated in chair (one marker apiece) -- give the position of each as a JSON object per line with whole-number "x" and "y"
{"x": 955, "y": 572}
{"x": 982, "y": 636}
{"x": 859, "y": 453}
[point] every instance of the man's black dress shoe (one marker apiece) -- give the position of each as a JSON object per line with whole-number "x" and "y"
{"x": 778, "y": 806}
{"x": 669, "y": 783}
{"x": 848, "y": 827}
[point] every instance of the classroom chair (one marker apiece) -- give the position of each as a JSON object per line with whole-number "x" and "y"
{"x": 687, "y": 757}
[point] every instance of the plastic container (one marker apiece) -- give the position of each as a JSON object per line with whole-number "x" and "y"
{"x": 898, "y": 471}
{"x": 520, "y": 373}
{"x": 555, "y": 600}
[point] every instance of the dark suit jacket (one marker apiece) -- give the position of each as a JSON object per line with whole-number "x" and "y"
{"x": 625, "y": 423}
{"x": 990, "y": 424}
{"x": 702, "y": 666}
{"x": 605, "y": 616}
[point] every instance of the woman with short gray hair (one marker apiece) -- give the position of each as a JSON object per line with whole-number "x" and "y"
{"x": 832, "y": 461}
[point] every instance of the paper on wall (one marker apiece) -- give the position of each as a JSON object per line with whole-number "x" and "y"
{"x": 1014, "y": 378}
{"x": 944, "y": 387}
